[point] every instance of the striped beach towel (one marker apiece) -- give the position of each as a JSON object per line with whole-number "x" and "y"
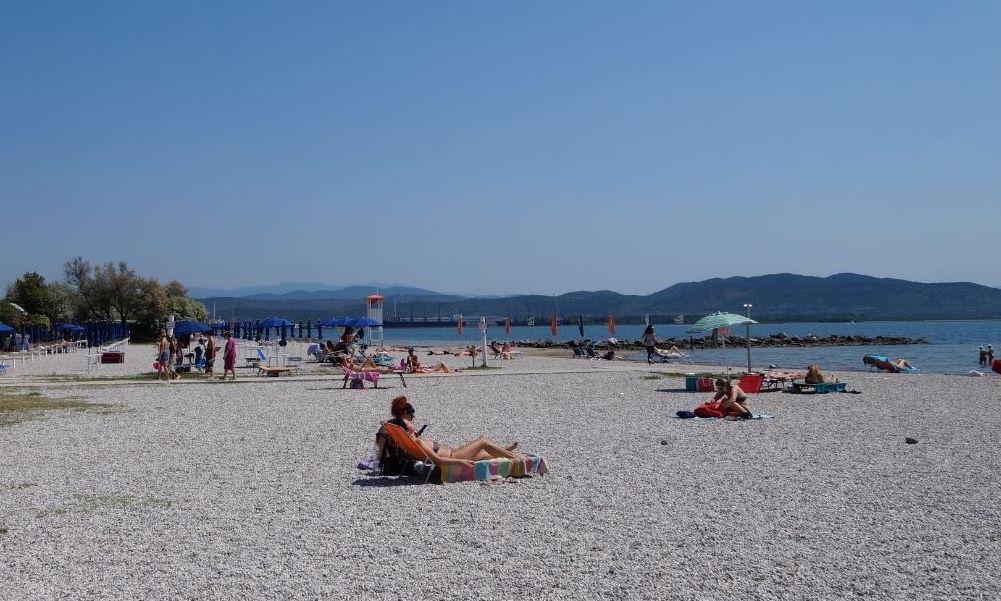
{"x": 496, "y": 469}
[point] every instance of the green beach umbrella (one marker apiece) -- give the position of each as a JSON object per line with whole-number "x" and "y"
{"x": 719, "y": 320}
{"x": 724, "y": 320}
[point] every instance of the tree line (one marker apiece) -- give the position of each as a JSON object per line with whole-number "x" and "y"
{"x": 102, "y": 292}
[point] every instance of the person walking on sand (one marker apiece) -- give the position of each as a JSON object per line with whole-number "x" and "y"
{"x": 229, "y": 356}
{"x": 650, "y": 341}
{"x": 163, "y": 356}
{"x": 210, "y": 351}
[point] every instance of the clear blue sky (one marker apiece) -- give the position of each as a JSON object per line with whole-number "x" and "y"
{"x": 504, "y": 146}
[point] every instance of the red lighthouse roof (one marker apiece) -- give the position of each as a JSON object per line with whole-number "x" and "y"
{"x": 375, "y": 296}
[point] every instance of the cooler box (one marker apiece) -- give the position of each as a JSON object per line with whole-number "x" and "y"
{"x": 751, "y": 383}
{"x": 691, "y": 382}
{"x": 113, "y": 357}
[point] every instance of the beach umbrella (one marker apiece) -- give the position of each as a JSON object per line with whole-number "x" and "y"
{"x": 71, "y": 327}
{"x": 363, "y": 322}
{"x": 580, "y": 325}
{"x": 4, "y": 328}
{"x": 722, "y": 322}
{"x": 719, "y": 320}
{"x": 611, "y": 325}
{"x": 554, "y": 326}
{"x": 275, "y": 322}
{"x": 333, "y": 322}
{"x": 186, "y": 328}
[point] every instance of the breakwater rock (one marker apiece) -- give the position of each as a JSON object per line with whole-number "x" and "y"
{"x": 774, "y": 340}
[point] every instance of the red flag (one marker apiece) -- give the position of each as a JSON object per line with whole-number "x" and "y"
{"x": 611, "y": 325}
{"x": 507, "y": 325}
{"x": 459, "y": 326}
{"x": 554, "y": 327}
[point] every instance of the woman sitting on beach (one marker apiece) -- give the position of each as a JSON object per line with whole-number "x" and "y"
{"x": 475, "y": 450}
{"x": 901, "y": 364}
{"x": 815, "y": 376}
{"x": 733, "y": 398}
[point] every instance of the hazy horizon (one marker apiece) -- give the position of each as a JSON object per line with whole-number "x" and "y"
{"x": 502, "y": 149}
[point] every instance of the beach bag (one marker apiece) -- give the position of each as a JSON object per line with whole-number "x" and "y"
{"x": 357, "y": 383}
{"x": 710, "y": 409}
{"x": 156, "y": 365}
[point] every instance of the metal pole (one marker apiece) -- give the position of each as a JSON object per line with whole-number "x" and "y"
{"x": 748, "y": 339}
{"x": 483, "y": 329}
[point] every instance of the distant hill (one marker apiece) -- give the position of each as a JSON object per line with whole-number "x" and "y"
{"x": 306, "y": 290}
{"x": 775, "y": 297}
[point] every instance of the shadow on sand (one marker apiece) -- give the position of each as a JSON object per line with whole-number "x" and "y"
{"x": 383, "y": 481}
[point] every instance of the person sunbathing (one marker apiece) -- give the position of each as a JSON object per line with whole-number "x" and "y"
{"x": 733, "y": 398}
{"x": 670, "y": 353}
{"x": 477, "y": 449}
{"x": 815, "y": 376}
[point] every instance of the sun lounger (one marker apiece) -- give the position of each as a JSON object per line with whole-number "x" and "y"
{"x": 361, "y": 376}
{"x": 485, "y": 470}
{"x": 272, "y": 372}
{"x": 802, "y": 387}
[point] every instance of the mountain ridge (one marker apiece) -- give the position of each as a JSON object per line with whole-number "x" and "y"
{"x": 785, "y": 296}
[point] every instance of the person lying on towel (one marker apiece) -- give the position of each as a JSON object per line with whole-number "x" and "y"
{"x": 475, "y": 450}
{"x": 733, "y": 398}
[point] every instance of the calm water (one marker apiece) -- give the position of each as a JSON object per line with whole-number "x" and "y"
{"x": 952, "y": 349}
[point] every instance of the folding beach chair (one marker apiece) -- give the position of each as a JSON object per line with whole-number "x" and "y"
{"x": 406, "y": 441}
{"x": 361, "y": 376}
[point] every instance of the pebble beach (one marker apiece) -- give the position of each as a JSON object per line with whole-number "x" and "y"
{"x": 201, "y": 489}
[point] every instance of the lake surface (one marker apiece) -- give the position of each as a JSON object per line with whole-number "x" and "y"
{"x": 952, "y": 345}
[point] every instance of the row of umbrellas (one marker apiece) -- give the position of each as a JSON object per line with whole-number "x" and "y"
{"x": 66, "y": 327}
{"x": 185, "y": 328}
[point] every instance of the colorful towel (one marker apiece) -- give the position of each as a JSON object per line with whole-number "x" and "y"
{"x": 496, "y": 469}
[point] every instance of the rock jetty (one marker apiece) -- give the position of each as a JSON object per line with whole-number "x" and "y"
{"x": 774, "y": 340}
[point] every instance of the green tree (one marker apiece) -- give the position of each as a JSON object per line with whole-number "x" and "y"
{"x": 118, "y": 290}
{"x": 31, "y": 294}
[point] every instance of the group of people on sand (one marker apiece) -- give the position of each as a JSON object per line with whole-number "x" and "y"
{"x": 171, "y": 353}
{"x": 393, "y": 459}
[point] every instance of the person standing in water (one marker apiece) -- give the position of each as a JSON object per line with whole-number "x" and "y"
{"x": 990, "y": 355}
{"x": 649, "y": 341}
{"x": 983, "y": 356}
{"x": 229, "y": 356}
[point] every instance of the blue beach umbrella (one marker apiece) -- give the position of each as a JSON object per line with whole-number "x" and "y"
{"x": 333, "y": 322}
{"x": 4, "y": 328}
{"x": 187, "y": 328}
{"x": 71, "y": 327}
{"x": 275, "y": 322}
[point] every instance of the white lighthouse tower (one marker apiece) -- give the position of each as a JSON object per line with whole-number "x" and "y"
{"x": 374, "y": 303}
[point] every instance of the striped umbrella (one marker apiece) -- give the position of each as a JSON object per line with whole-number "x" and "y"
{"x": 719, "y": 320}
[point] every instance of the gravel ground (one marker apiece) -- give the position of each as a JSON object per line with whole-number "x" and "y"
{"x": 249, "y": 490}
